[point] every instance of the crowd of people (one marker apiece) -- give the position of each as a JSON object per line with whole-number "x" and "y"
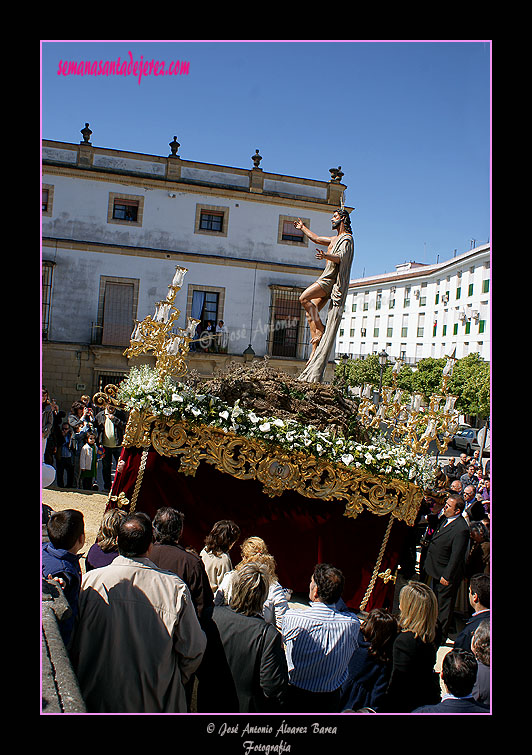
{"x": 158, "y": 627}
{"x": 81, "y": 442}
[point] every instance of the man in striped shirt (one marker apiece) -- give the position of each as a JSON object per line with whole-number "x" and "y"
{"x": 319, "y": 643}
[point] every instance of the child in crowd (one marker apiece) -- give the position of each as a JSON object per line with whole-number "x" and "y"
{"x": 88, "y": 462}
{"x": 215, "y": 554}
{"x": 60, "y": 559}
{"x": 65, "y": 457}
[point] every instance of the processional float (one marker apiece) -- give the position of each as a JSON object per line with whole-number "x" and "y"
{"x": 312, "y": 496}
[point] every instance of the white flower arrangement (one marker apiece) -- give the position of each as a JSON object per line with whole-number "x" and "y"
{"x": 144, "y": 389}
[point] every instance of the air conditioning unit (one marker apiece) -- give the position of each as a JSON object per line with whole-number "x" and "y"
{"x": 445, "y": 298}
{"x": 416, "y": 293}
{"x": 362, "y": 331}
{"x": 475, "y": 315}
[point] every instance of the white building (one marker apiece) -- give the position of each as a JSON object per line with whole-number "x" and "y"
{"x": 420, "y": 310}
{"x": 116, "y": 224}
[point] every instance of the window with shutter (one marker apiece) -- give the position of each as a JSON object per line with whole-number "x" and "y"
{"x": 117, "y": 314}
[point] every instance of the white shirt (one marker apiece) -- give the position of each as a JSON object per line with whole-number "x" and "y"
{"x": 319, "y": 643}
{"x": 109, "y": 438}
{"x": 451, "y": 519}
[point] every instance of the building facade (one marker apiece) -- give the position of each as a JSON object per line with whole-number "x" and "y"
{"x": 420, "y": 310}
{"x": 116, "y": 224}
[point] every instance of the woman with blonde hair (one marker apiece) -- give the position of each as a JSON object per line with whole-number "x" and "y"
{"x": 250, "y": 547}
{"x": 414, "y": 682}
{"x": 254, "y": 549}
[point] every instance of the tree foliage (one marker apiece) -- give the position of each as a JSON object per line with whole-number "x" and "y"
{"x": 471, "y": 383}
{"x": 470, "y": 380}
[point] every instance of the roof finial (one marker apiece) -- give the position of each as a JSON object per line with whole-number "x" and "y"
{"x": 86, "y": 132}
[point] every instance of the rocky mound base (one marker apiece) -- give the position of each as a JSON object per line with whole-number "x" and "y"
{"x": 270, "y": 393}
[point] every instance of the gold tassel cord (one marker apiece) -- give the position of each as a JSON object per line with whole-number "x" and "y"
{"x": 377, "y": 565}
{"x": 138, "y": 483}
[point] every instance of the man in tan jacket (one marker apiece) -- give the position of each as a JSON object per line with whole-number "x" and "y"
{"x": 138, "y": 639}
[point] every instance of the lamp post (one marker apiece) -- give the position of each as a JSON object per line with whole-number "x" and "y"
{"x": 249, "y": 353}
{"x": 343, "y": 360}
{"x": 383, "y": 358}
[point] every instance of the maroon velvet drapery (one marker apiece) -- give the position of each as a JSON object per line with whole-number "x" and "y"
{"x": 300, "y": 532}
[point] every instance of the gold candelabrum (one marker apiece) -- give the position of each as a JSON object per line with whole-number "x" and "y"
{"x": 153, "y": 334}
{"x": 409, "y": 423}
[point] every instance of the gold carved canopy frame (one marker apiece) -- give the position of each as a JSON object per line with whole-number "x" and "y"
{"x": 277, "y": 469}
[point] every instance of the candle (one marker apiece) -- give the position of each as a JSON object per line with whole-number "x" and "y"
{"x": 179, "y": 276}
{"x": 191, "y": 327}
{"x": 453, "y": 426}
{"x": 138, "y": 334}
{"x": 449, "y": 404}
{"x": 430, "y": 431}
{"x": 368, "y": 390}
{"x": 162, "y": 311}
{"x": 172, "y": 347}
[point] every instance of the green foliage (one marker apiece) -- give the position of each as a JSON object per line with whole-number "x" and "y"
{"x": 470, "y": 380}
{"x": 471, "y": 383}
{"x": 428, "y": 376}
{"x": 404, "y": 379}
{"x": 362, "y": 371}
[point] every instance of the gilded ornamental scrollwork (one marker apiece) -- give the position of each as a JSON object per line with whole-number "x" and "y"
{"x": 277, "y": 469}
{"x": 138, "y": 429}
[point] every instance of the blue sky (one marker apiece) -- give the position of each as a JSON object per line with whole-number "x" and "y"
{"x": 408, "y": 121}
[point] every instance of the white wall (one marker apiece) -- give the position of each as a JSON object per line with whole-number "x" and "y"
{"x": 80, "y": 212}
{"x": 441, "y": 278}
{"x": 77, "y": 283}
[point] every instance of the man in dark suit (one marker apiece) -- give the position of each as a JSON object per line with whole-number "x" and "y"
{"x": 458, "y": 673}
{"x": 479, "y": 598}
{"x": 167, "y": 553}
{"x": 445, "y": 559}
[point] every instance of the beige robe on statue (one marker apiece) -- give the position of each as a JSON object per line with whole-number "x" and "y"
{"x": 313, "y": 372}
{"x": 138, "y": 640}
